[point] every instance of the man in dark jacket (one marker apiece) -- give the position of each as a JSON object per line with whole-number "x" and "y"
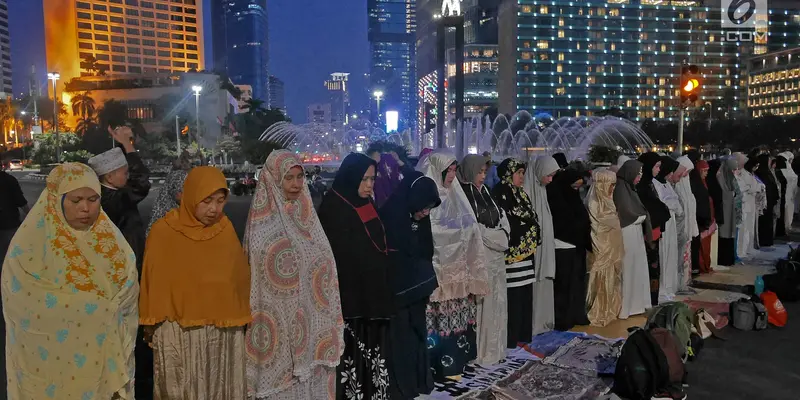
{"x": 125, "y": 183}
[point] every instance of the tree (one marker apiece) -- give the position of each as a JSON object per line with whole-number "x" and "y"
{"x": 45, "y": 152}
{"x": 91, "y": 66}
{"x": 113, "y": 113}
{"x": 83, "y": 105}
{"x": 84, "y": 125}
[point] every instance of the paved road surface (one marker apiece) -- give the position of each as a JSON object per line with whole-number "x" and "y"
{"x": 236, "y": 209}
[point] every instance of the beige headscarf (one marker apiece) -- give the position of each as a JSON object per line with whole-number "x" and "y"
{"x": 604, "y": 297}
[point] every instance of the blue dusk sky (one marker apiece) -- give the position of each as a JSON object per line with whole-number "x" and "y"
{"x": 309, "y": 39}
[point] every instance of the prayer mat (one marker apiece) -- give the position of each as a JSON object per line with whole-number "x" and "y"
{"x": 717, "y": 310}
{"x": 588, "y": 355}
{"x": 477, "y": 379}
{"x": 547, "y": 382}
{"x": 545, "y": 344}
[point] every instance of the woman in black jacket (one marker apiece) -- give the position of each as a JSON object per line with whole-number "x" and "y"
{"x": 572, "y": 231}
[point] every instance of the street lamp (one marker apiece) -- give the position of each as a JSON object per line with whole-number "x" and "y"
{"x": 54, "y": 76}
{"x": 378, "y": 94}
{"x": 197, "y": 89}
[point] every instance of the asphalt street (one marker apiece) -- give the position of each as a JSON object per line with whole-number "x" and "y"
{"x": 236, "y": 209}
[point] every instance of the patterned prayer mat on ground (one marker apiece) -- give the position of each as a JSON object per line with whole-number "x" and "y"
{"x": 717, "y": 310}
{"x": 477, "y": 378}
{"x": 545, "y": 344}
{"x": 547, "y": 382}
{"x": 588, "y": 355}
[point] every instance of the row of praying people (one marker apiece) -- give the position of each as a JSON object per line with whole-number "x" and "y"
{"x": 357, "y": 300}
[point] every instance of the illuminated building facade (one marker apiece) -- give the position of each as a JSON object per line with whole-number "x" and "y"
{"x": 123, "y": 36}
{"x": 774, "y": 83}
{"x": 392, "y": 31}
{"x": 480, "y": 55}
{"x": 241, "y": 43}
{"x": 339, "y": 97}
{"x": 569, "y": 58}
{"x": 5, "y": 52}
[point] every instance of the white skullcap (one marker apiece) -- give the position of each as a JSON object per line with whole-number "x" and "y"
{"x": 109, "y": 161}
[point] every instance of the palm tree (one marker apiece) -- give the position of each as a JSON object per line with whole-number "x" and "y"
{"x": 84, "y": 125}
{"x": 83, "y": 105}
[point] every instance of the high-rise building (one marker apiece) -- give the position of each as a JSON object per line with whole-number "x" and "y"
{"x": 567, "y": 58}
{"x": 319, "y": 113}
{"x": 392, "y": 33}
{"x": 241, "y": 43}
{"x": 5, "y": 52}
{"x": 123, "y": 37}
{"x": 339, "y": 97}
{"x": 774, "y": 83}
{"x": 276, "y": 94}
{"x": 480, "y": 56}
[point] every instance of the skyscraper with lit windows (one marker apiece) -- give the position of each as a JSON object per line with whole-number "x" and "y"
{"x": 392, "y": 28}
{"x": 5, "y": 51}
{"x": 241, "y": 43}
{"x": 123, "y": 36}
{"x": 568, "y": 58}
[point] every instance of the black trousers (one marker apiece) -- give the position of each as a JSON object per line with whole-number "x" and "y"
{"x": 653, "y": 270}
{"x": 569, "y": 289}
{"x": 766, "y": 229}
{"x": 520, "y": 315}
{"x": 144, "y": 367}
{"x": 726, "y": 251}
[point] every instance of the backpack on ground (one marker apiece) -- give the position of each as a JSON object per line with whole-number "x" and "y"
{"x": 672, "y": 351}
{"x": 675, "y": 317}
{"x": 642, "y": 368}
{"x": 785, "y": 282}
{"x": 746, "y": 315}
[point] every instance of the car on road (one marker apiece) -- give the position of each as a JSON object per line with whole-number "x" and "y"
{"x": 16, "y": 164}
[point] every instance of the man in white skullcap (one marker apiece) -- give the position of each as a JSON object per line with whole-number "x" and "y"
{"x": 125, "y": 183}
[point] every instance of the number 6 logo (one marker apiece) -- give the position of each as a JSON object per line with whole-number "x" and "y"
{"x": 735, "y": 5}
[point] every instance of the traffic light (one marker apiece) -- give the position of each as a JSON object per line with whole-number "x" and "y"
{"x": 430, "y": 117}
{"x": 691, "y": 85}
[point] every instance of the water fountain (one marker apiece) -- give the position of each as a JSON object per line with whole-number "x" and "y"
{"x": 522, "y": 136}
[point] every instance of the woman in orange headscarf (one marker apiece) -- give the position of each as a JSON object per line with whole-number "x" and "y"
{"x": 195, "y": 296}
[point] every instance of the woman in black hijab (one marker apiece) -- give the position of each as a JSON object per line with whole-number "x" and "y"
{"x": 766, "y": 223}
{"x": 413, "y": 280}
{"x": 572, "y": 231}
{"x": 523, "y": 241}
{"x": 780, "y": 226}
{"x": 659, "y": 215}
{"x": 358, "y": 241}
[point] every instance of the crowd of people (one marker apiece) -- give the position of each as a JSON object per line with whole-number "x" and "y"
{"x": 401, "y": 278}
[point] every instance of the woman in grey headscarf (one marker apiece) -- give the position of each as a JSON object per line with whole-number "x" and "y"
{"x": 537, "y": 177}
{"x": 494, "y": 227}
{"x": 633, "y": 218}
{"x": 726, "y": 250}
{"x": 169, "y": 197}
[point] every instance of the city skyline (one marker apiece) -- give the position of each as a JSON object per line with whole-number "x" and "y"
{"x": 338, "y": 42}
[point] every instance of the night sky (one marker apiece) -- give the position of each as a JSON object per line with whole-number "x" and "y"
{"x": 309, "y": 39}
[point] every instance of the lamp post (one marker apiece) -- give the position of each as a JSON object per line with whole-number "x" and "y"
{"x": 54, "y": 76}
{"x": 197, "y": 89}
{"x": 378, "y": 94}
